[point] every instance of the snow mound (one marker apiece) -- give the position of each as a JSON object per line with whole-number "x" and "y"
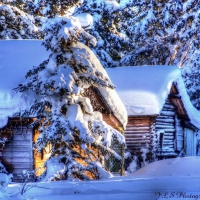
{"x": 174, "y": 167}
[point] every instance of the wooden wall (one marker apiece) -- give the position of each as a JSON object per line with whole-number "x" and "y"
{"x": 145, "y": 132}
{"x": 138, "y": 133}
{"x": 18, "y": 153}
{"x": 166, "y": 122}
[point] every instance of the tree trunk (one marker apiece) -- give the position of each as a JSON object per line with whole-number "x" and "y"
{"x": 62, "y": 11}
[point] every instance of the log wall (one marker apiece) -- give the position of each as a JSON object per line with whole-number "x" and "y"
{"x": 17, "y": 155}
{"x": 138, "y": 133}
{"x": 166, "y": 122}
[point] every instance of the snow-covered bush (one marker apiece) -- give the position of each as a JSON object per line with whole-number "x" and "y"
{"x": 133, "y": 166}
{"x": 28, "y": 179}
{"x": 65, "y": 117}
{"x": 5, "y": 178}
{"x": 15, "y": 24}
{"x": 55, "y": 169}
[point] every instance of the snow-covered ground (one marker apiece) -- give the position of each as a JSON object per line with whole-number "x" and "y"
{"x": 177, "y": 178}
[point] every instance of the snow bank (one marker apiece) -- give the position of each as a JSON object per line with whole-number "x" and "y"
{"x": 54, "y": 169}
{"x": 174, "y": 167}
{"x": 16, "y": 58}
{"x": 144, "y": 89}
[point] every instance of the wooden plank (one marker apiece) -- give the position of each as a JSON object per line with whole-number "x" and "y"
{"x": 17, "y": 154}
{"x": 137, "y": 128}
{"x": 137, "y": 132}
{"x": 137, "y": 136}
{"x": 139, "y": 142}
{"x": 158, "y": 126}
{"x": 16, "y": 160}
{"x": 168, "y": 137}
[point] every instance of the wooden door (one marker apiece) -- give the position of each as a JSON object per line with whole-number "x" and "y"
{"x": 189, "y": 142}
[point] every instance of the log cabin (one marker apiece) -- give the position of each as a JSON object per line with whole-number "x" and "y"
{"x": 162, "y": 122}
{"x": 16, "y": 137}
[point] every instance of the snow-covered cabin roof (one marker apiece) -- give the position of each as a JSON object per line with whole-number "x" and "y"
{"x": 144, "y": 89}
{"x": 17, "y": 57}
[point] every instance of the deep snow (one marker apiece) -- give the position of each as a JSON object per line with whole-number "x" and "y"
{"x": 149, "y": 183}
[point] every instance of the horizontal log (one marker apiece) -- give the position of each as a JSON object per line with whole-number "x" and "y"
{"x": 166, "y": 113}
{"x": 168, "y": 142}
{"x": 19, "y": 170}
{"x": 17, "y": 154}
{"x": 165, "y": 117}
{"x": 169, "y": 134}
{"x": 17, "y": 166}
{"x": 138, "y": 142}
{"x": 168, "y": 106}
{"x": 166, "y": 137}
{"x": 137, "y": 133}
{"x": 169, "y": 130}
{"x": 16, "y": 160}
{"x": 137, "y": 128}
{"x": 137, "y": 125}
{"x": 164, "y": 126}
{"x": 137, "y": 136}
{"x": 138, "y": 139}
{"x": 165, "y": 123}
{"x": 165, "y": 120}
{"x": 19, "y": 143}
{"x": 16, "y": 147}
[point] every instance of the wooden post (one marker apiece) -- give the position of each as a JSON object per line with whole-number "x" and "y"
{"x": 122, "y": 155}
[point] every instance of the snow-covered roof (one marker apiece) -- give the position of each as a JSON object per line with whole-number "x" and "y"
{"x": 17, "y": 57}
{"x": 144, "y": 89}
{"x": 110, "y": 96}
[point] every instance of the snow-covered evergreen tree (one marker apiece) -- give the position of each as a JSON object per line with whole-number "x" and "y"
{"x": 16, "y": 24}
{"x": 50, "y": 8}
{"x": 163, "y": 32}
{"x": 78, "y": 135}
{"x": 110, "y": 18}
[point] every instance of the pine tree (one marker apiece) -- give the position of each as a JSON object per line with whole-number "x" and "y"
{"x": 16, "y": 24}
{"x": 163, "y": 32}
{"x": 110, "y": 18}
{"x": 78, "y": 135}
{"x": 166, "y": 33}
{"x": 51, "y": 8}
